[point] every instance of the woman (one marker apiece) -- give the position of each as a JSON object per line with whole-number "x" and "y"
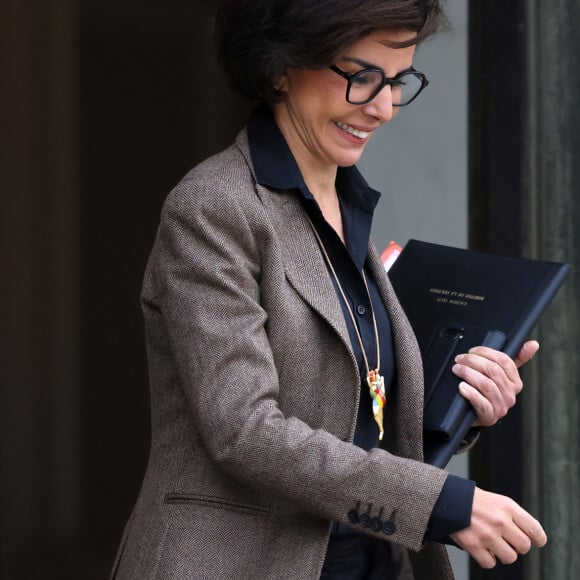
{"x": 286, "y": 382}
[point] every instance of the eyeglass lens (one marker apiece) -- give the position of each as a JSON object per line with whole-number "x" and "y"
{"x": 367, "y": 83}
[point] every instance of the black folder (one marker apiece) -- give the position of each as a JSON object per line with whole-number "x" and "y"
{"x": 456, "y": 299}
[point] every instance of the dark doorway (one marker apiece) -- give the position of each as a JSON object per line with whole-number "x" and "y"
{"x": 104, "y": 106}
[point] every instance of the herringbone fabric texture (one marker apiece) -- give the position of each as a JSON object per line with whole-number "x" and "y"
{"x": 254, "y": 395}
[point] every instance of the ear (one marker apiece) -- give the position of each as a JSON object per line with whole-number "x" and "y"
{"x": 281, "y": 84}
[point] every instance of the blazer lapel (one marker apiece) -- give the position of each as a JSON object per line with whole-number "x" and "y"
{"x": 304, "y": 264}
{"x": 405, "y": 423}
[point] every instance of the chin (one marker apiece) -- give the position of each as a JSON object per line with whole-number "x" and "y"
{"x": 348, "y": 160}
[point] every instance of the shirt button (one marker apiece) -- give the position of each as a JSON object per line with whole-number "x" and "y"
{"x": 361, "y": 309}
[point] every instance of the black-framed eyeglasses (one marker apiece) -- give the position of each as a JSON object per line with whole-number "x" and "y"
{"x": 364, "y": 85}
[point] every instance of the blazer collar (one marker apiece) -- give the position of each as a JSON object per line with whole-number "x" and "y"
{"x": 275, "y": 166}
{"x": 303, "y": 263}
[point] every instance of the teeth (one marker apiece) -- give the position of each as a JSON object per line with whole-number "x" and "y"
{"x": 352, "y": 131}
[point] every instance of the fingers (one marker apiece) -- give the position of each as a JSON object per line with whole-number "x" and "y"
{"x": 485, "y": 559}
{"x": 488, "y": 558}
{"x": 500, "y": 530}
{"x": 527, "y": 352}
{"x": 531, "y": 528}
{"x": 518, "y": 540}
{"x": 492, "y": 382}
{"x": 490, "y": 362}
{"x": 486, "y": 415}
{"x": 518, "y": 534}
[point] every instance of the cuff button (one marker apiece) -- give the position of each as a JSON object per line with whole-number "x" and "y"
{"x": 353, "y": 517}
{"x": 389, "y": 528}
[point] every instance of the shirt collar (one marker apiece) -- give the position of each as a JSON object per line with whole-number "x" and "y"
{"x": 276, "y": 167}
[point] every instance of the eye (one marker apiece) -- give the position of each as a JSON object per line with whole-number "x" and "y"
{"x": 365, "y": 78}
{"x": 405, "y": 79}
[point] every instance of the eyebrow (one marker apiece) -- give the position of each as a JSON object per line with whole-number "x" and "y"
{"x": 360, "y": 62}
{"x": 365, "y": 64}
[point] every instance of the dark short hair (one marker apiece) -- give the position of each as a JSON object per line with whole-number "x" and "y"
{"x": 259, "y": 39}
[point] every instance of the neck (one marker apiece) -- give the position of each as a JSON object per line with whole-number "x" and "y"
{"x": 318, "y": 173}
{"x": 323, "y": 188}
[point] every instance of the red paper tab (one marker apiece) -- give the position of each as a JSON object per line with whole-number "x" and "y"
{"x": 390, "y": 254}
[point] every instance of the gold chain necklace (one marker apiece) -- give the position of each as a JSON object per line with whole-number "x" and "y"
{"x": 375, "y": 381}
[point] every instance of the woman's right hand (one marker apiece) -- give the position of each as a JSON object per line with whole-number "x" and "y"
{"x": 499, "y": 529}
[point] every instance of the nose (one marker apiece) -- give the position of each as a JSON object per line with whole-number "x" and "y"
{"x": 381, "y": 107}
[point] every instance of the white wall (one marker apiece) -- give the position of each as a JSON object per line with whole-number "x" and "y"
{"x": 419, "y": 163}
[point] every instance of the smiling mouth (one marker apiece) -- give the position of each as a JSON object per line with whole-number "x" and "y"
{"x": 351, "y": 130}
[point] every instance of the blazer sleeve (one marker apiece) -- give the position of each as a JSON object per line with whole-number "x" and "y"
{"x": 207, "y": 269}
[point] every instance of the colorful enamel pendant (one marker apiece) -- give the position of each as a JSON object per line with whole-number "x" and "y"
{"x": 377, "y": 390}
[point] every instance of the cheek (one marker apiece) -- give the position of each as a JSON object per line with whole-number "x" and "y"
{"x": 337, "y": 84}
{"x": 336, "y": 89}
{"x": 327, "y": 86}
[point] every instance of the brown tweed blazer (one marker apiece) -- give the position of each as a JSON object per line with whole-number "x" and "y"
{"x": 254, "y": 394}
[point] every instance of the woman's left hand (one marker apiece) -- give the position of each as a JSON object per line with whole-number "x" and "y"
{"x": 491, "y": 381}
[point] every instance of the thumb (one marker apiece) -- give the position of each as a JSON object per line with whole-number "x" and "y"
{"x": 527, "y": 352}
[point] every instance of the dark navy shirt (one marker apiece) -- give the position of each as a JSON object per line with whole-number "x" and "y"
{"x": 276, "y": 167}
